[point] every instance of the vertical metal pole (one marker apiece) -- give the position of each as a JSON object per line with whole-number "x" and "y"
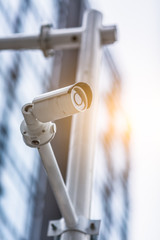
{"x": 83, "y": 134}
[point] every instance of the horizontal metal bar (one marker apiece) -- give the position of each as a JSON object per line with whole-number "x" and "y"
{"x": 57, "y": 39}
{"x": 108, "y": 35}
{"x": 65, "y": 38}
{"x": 19, "y": 41}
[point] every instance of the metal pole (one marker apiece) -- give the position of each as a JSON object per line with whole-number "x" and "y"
{"x": 83, "y": 134}
{"x": 57, "y": 184}
{"x": 56, "y": 39}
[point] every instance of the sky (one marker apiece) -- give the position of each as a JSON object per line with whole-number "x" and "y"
{"x": 137, "y": 56}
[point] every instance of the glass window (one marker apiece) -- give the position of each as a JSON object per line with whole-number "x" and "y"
{"x": 23, "y": 75}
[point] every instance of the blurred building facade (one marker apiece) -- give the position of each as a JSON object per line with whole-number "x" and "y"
{"x": 23, "y": 75}
{"x": 26, "y": 200}
{"x": 113, "y": 155}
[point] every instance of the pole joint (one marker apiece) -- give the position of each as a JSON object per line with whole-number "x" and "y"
{"x": 85, "y": 226}
{"x": 44, "y": 39}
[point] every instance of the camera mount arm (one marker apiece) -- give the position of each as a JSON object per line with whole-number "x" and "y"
{"x": 38, "y": 134}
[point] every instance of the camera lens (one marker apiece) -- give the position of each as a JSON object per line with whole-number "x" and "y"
{"x": 79, "y": 98}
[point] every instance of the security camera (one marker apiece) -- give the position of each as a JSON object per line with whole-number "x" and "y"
{"x": 62, "y": 103}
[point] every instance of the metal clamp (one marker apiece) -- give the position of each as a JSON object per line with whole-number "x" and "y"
{"x": 44, "y": 38}
{"x": 35, "y": 133}
{"x": 86, "y": 226}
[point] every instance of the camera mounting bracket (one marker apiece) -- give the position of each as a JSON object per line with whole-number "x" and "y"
{"x": 35, "y": 133}
{"x": 86, "y": 226}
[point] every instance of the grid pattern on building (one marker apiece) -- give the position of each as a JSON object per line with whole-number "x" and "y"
{"x": 111, "y": 190}
{"x": 23, "y": 75}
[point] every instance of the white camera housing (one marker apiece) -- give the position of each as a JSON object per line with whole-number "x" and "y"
{"x": 62, "y": 103}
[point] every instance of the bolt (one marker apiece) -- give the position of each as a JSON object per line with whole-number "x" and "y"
{"x": 54, "y": 228}
{"x": 92, "y": 226}
{"x": 74, "y": 38}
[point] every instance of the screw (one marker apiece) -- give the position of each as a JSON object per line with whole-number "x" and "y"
{"x": 54, "y": 228}
{"x": 92, "y": 226}
{"x": 74, "y": 38}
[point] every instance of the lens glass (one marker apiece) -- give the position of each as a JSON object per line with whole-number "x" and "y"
{"x": 79, "y": 98}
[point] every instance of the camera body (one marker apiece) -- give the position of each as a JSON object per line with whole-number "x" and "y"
{"x": 62, "y": 103}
